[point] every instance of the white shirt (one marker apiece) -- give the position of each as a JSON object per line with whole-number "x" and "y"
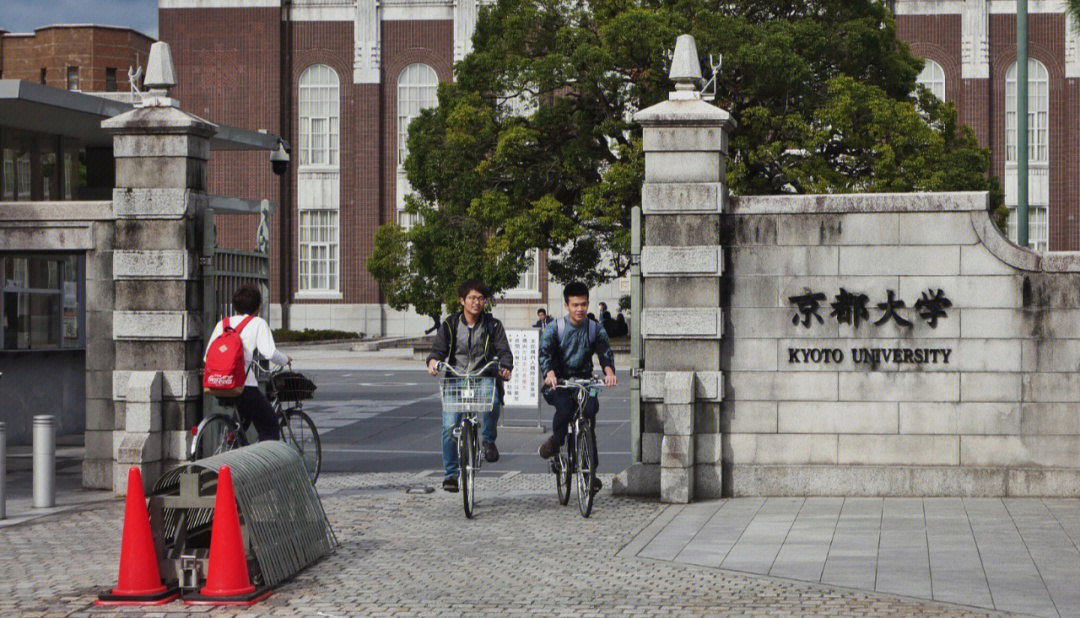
{"x": 255, "y": 336}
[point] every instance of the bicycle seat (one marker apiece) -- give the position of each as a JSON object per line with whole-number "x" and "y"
{"x": 228, "y": 402}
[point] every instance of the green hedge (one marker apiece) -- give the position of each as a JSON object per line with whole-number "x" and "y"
{"x": 294, "y": 336}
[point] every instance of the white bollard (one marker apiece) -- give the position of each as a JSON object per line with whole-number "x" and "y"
{"x": 44, "y": 461}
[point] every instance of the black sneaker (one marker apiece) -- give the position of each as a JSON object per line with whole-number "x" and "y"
{"x": 491, "y": 452}
{"x": 548, "y": 448}
{"x": 596, "y": 485}
{"x": 450, "y": 484}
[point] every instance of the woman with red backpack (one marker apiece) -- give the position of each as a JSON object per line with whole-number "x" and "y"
{"x": 228, "y": 362}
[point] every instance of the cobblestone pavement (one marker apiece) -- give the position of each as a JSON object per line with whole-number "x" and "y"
{"x": 416, "y": 554}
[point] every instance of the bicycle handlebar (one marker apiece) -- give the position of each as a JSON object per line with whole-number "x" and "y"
{"x": 467, "y": 374}
{"x": 580, "y": 383}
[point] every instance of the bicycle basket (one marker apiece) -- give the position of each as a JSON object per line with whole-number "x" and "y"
{"x": 475, "y": 394}
{"x": 293, "y": 386}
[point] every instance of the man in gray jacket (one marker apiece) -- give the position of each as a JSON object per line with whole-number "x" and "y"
{"x": 468, "y": 340}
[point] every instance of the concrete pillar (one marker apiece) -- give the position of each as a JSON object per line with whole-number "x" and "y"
{"x": 140, "y": 440}
{"x": 685, "y": 143}
{"x": 161, "y": 159}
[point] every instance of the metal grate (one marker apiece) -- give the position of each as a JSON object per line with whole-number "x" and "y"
{"x": 284, "y": 523}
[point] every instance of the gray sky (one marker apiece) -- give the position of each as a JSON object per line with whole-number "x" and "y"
{"x": 25, "y": 15}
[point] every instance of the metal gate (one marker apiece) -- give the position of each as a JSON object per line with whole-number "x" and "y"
{"x": 225, "y": 270}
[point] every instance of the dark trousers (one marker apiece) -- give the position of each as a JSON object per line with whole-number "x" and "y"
{"x": 565, "y": 402}
{"x": 253, "y": 407}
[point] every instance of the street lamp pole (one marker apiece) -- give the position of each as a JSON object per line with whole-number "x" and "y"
{"x": 1022, "y": 123}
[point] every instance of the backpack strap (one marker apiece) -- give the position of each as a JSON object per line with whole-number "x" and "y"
{"x": 591, "y": 333}
{"x": 243, "y": 323}
{"x": 224, "y": 323}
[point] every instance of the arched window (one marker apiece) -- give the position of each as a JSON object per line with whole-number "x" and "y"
{"x": 319, "y": 116}
{"x": 416, "y": 88}
{"x": 1038, "y": 151}
{"x": 933, "y": 78}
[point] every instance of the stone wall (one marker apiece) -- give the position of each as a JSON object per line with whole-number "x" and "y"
{"x": 971, "y": 389}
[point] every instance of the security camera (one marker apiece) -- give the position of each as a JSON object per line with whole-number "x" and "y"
{"x": 279, "y": 159}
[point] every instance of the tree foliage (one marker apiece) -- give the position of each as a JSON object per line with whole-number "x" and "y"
{"x": 534, "y": 145}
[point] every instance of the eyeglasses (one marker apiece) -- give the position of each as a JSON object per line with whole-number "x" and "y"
{"x": 474, "y": 299}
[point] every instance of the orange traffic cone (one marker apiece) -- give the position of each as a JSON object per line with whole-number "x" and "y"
{"x": 227, "y": 579}
{"x": 139, "y": 582}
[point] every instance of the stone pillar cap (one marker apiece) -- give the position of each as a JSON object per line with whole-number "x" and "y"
{"x": 160, "y": 76}
{"x": 685, "y": 67}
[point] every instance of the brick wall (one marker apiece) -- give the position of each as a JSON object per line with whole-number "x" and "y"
{"x": 231, "y": 74}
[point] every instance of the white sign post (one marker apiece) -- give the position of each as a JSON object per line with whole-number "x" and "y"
{"x": 523, "y": 388}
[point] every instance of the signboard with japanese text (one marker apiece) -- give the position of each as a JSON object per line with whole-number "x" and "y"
{"x": 523, "y": 389}
{"x": 853, "y": 309}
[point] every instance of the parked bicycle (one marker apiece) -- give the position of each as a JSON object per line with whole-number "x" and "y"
{"x": 577, "y": 458}
{"x": 469, "y": 394}
{"x": 286, "y": 389}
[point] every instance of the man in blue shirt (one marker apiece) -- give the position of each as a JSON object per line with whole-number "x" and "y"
{"x": 566, "y": 349}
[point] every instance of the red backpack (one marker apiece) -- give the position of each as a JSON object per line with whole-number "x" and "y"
{"x": 224, "y": 374}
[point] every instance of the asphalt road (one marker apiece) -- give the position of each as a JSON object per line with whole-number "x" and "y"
{"x": 390, "y": 421}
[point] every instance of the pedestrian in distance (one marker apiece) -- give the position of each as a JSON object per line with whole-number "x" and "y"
{"x": 622, "y": 329}
{"x": 605, "y": 315}
{"x": 468, "y": 340}
{"x": 566, "y": 350}
{"x": 542, "y": 319}
{"x": 255, "y": 335}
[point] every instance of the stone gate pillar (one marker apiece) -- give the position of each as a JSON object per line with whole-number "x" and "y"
{"x": 161, "y": 158}
{"x": 685, "y": 142}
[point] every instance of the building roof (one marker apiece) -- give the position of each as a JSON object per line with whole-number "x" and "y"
{"x": 43, "y": 109}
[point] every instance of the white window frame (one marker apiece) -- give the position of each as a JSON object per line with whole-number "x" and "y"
{"x": 9, "y": 174}
{"x": 320, "y": 253}
{"x": 23, "y": 171}
{"x": 528, "y": 285}
{"x": 319, "y": 111}
{"x": 1038, "y": 153}
{"x": 933, "y": 78}
{"x": 417, "y": 90}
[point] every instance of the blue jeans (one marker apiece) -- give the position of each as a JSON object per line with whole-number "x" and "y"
{"x": 489, "y": 424}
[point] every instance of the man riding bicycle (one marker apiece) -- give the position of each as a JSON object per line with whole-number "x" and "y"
{"x": 566, "y": 349}
{"x": 252, "y": 405}
{"x": 467, "y": 340}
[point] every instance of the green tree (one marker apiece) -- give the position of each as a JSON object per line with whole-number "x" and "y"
{"x": 534, "y": 145}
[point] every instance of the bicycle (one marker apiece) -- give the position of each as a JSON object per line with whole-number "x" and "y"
{"x": 577, "y": 460}
{"x": 469, "y": 394}
{"x": 222, "y": 432}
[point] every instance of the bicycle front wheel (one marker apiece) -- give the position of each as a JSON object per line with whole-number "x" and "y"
{"x": 299, "y": 431}
{"x": 215, "y": 435}
{"x": 467, "y": 466}
{"x": 560, "y": 465}
{"x": 585, "y": 471}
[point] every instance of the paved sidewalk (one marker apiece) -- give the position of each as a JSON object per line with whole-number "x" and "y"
{"x": 1017, "y": 555}
{"x": 415, "y": 554}
{"x": 69, "y": 492}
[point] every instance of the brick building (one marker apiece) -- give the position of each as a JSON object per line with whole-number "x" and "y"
{"x": 970, "y": 51}
{"x": 41, "y": 158}
{"x": 342, "y": 79}
{"x": 84, "y": 57}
